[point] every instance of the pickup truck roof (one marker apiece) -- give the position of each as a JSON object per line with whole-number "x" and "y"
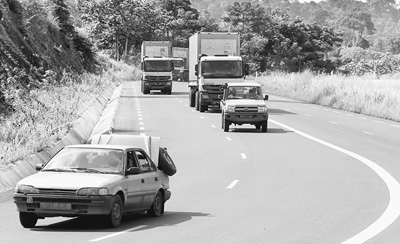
{"x": 218, "y": 58}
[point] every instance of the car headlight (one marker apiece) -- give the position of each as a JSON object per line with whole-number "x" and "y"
{"x": 230, "y": 108}
{"x": 25, "y": 189}
{"x": 262, "y": 109}
{"x": 93, "y": 191}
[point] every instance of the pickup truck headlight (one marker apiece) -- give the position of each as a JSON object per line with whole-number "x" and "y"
{"x": 262, "y": 109}
{"x": 169, "y": 83}
{"x": 230, "y": 108}
{"x": 204, "y": 96}
{"x": 25, "y": 189}
{"x": 93, "y": 191}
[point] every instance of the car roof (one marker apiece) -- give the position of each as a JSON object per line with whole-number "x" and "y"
{"x": 102, "y": 146}
{"x": 243, "y": 84}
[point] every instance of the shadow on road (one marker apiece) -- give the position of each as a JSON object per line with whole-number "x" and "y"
{"x": 250, "y": 130}
{"x": 141, "y": 221}
{"x": 274, "y": 111}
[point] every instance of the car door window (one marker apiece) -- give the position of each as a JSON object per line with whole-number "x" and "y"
{"x": 131, "y": 160}
{"x": 144, "y": 162}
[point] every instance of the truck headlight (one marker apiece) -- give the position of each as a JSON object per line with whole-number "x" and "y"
{"x": 169, "y": 83}
{"x": 230, "y": 108}
{"x": 25, "y": 189}
{"x": 262, "y": 109}
{"x": 92, "y": 191}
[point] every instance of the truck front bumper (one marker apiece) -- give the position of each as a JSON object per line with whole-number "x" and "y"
{"x": 157, "y": 85}
{"x": 246, "y": 118}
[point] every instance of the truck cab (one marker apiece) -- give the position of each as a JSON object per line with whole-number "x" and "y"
{"x": 179, "y": 67}
{"x": 156, "y": 74}
{"x": 213, "y": 72}
{"x": 244, "y": 103}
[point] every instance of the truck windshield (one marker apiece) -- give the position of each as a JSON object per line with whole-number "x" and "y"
{"x": 157, "y": 65}
{"x": 245, "y": 92}
{"x": 177, "y": 63}
{"x": 221, "y": 69}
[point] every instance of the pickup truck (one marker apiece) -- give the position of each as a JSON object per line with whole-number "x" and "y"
{"x": 244, "y": 103}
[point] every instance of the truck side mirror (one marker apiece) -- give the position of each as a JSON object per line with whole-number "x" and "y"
{"x": 246, "y": 69}
{"x": 142, "y": 65}
{"x": 266, "y": 97}
{"x": 196, "y": 69}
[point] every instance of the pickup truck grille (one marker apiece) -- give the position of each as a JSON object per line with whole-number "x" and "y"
{"x": 158, "y": 78}
{"x": 246, "y": 109}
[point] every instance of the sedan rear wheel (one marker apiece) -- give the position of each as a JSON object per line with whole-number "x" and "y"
{"x": 28, "y": 220}
{"x": 115, "y": 216}
{"x": 157, "y": 208}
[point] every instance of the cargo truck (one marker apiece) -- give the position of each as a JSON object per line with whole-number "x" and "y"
{"x": 213, "y": 61}
{"x": 180, "y": 61}
{"x": 156, "y": 67}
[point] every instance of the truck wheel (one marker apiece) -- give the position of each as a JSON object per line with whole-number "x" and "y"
{"x": 192, "y": 97}
{"x": 203, "y": 108}
{"x": 258, "y": 126}
{"x": 264, "y": 126}
{"x": 115, "y": 216}
{"x": 169, "y": 92}
{"x": 157, "y": 208}
{"x": 197, "y": 101}
{"x": 165, "y": 162}
{"x": 28, "y": 220}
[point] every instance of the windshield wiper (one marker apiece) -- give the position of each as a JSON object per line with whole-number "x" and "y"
{"x": 59, "y": 170}
{"x": 89, "y": 170}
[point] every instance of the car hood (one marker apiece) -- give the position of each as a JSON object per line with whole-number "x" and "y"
{"x": 67, "y": 180}
{"x": 245, "y": 102}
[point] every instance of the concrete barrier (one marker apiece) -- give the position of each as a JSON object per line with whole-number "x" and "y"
{"x": 98, "y": 118}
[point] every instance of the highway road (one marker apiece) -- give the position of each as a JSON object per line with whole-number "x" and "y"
{"x": 318, "y": 176}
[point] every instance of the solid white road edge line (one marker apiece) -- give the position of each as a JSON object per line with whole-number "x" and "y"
{"x": 118, "y": 233}
{"x": 232, "y": 184}
{"x": 391, "y": 213}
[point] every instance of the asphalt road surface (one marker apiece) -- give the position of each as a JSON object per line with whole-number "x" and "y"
{"x": 319, "y": 175}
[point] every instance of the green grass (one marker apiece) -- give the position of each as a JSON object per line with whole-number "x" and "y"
{"x": 43, "y": 116}
{"x": 364, "y": 95}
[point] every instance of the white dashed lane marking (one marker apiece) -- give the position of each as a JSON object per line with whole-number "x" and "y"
{"x": 243, "y": 155}
{"x": 368, "y": 133}
{"x": 229, "y": 139}
{"x": 231, "y": 185}
{"x": 118, "y": 233}
{"x": 333, "y": 122}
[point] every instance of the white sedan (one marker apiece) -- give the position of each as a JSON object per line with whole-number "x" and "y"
{"x": 96, "y": 179}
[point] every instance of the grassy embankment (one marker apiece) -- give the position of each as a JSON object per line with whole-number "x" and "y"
{"x": 363, "y": 95}
{"x": 44, "y": 116}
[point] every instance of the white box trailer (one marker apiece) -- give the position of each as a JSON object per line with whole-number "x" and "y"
{"x": 160, "y": 49}
{"x": 211, "y": 44}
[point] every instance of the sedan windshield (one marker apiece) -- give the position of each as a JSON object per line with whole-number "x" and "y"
{"x": 221, "y": 69}
{"x": 88, "y": 160}
{"x": 157, "y": 65}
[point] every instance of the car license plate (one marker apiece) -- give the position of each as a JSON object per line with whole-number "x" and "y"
{"x": 55, "y": 206}
{"x": 246, "y": 116}
{"x": 158, "y": 83}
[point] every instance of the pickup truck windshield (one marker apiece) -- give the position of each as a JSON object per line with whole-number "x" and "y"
{"x": 245, "y": 92}
{"x": 88, "y": 160}
{"x": 158, "y": 65}
{"x": 221, "y": 69}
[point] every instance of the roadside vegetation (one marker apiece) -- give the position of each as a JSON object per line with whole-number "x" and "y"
{"x": 363, "y": 95}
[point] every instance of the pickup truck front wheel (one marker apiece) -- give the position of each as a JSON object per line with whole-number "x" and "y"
{"x": 264, "y": 126}
{"x": 225, "y": 124}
